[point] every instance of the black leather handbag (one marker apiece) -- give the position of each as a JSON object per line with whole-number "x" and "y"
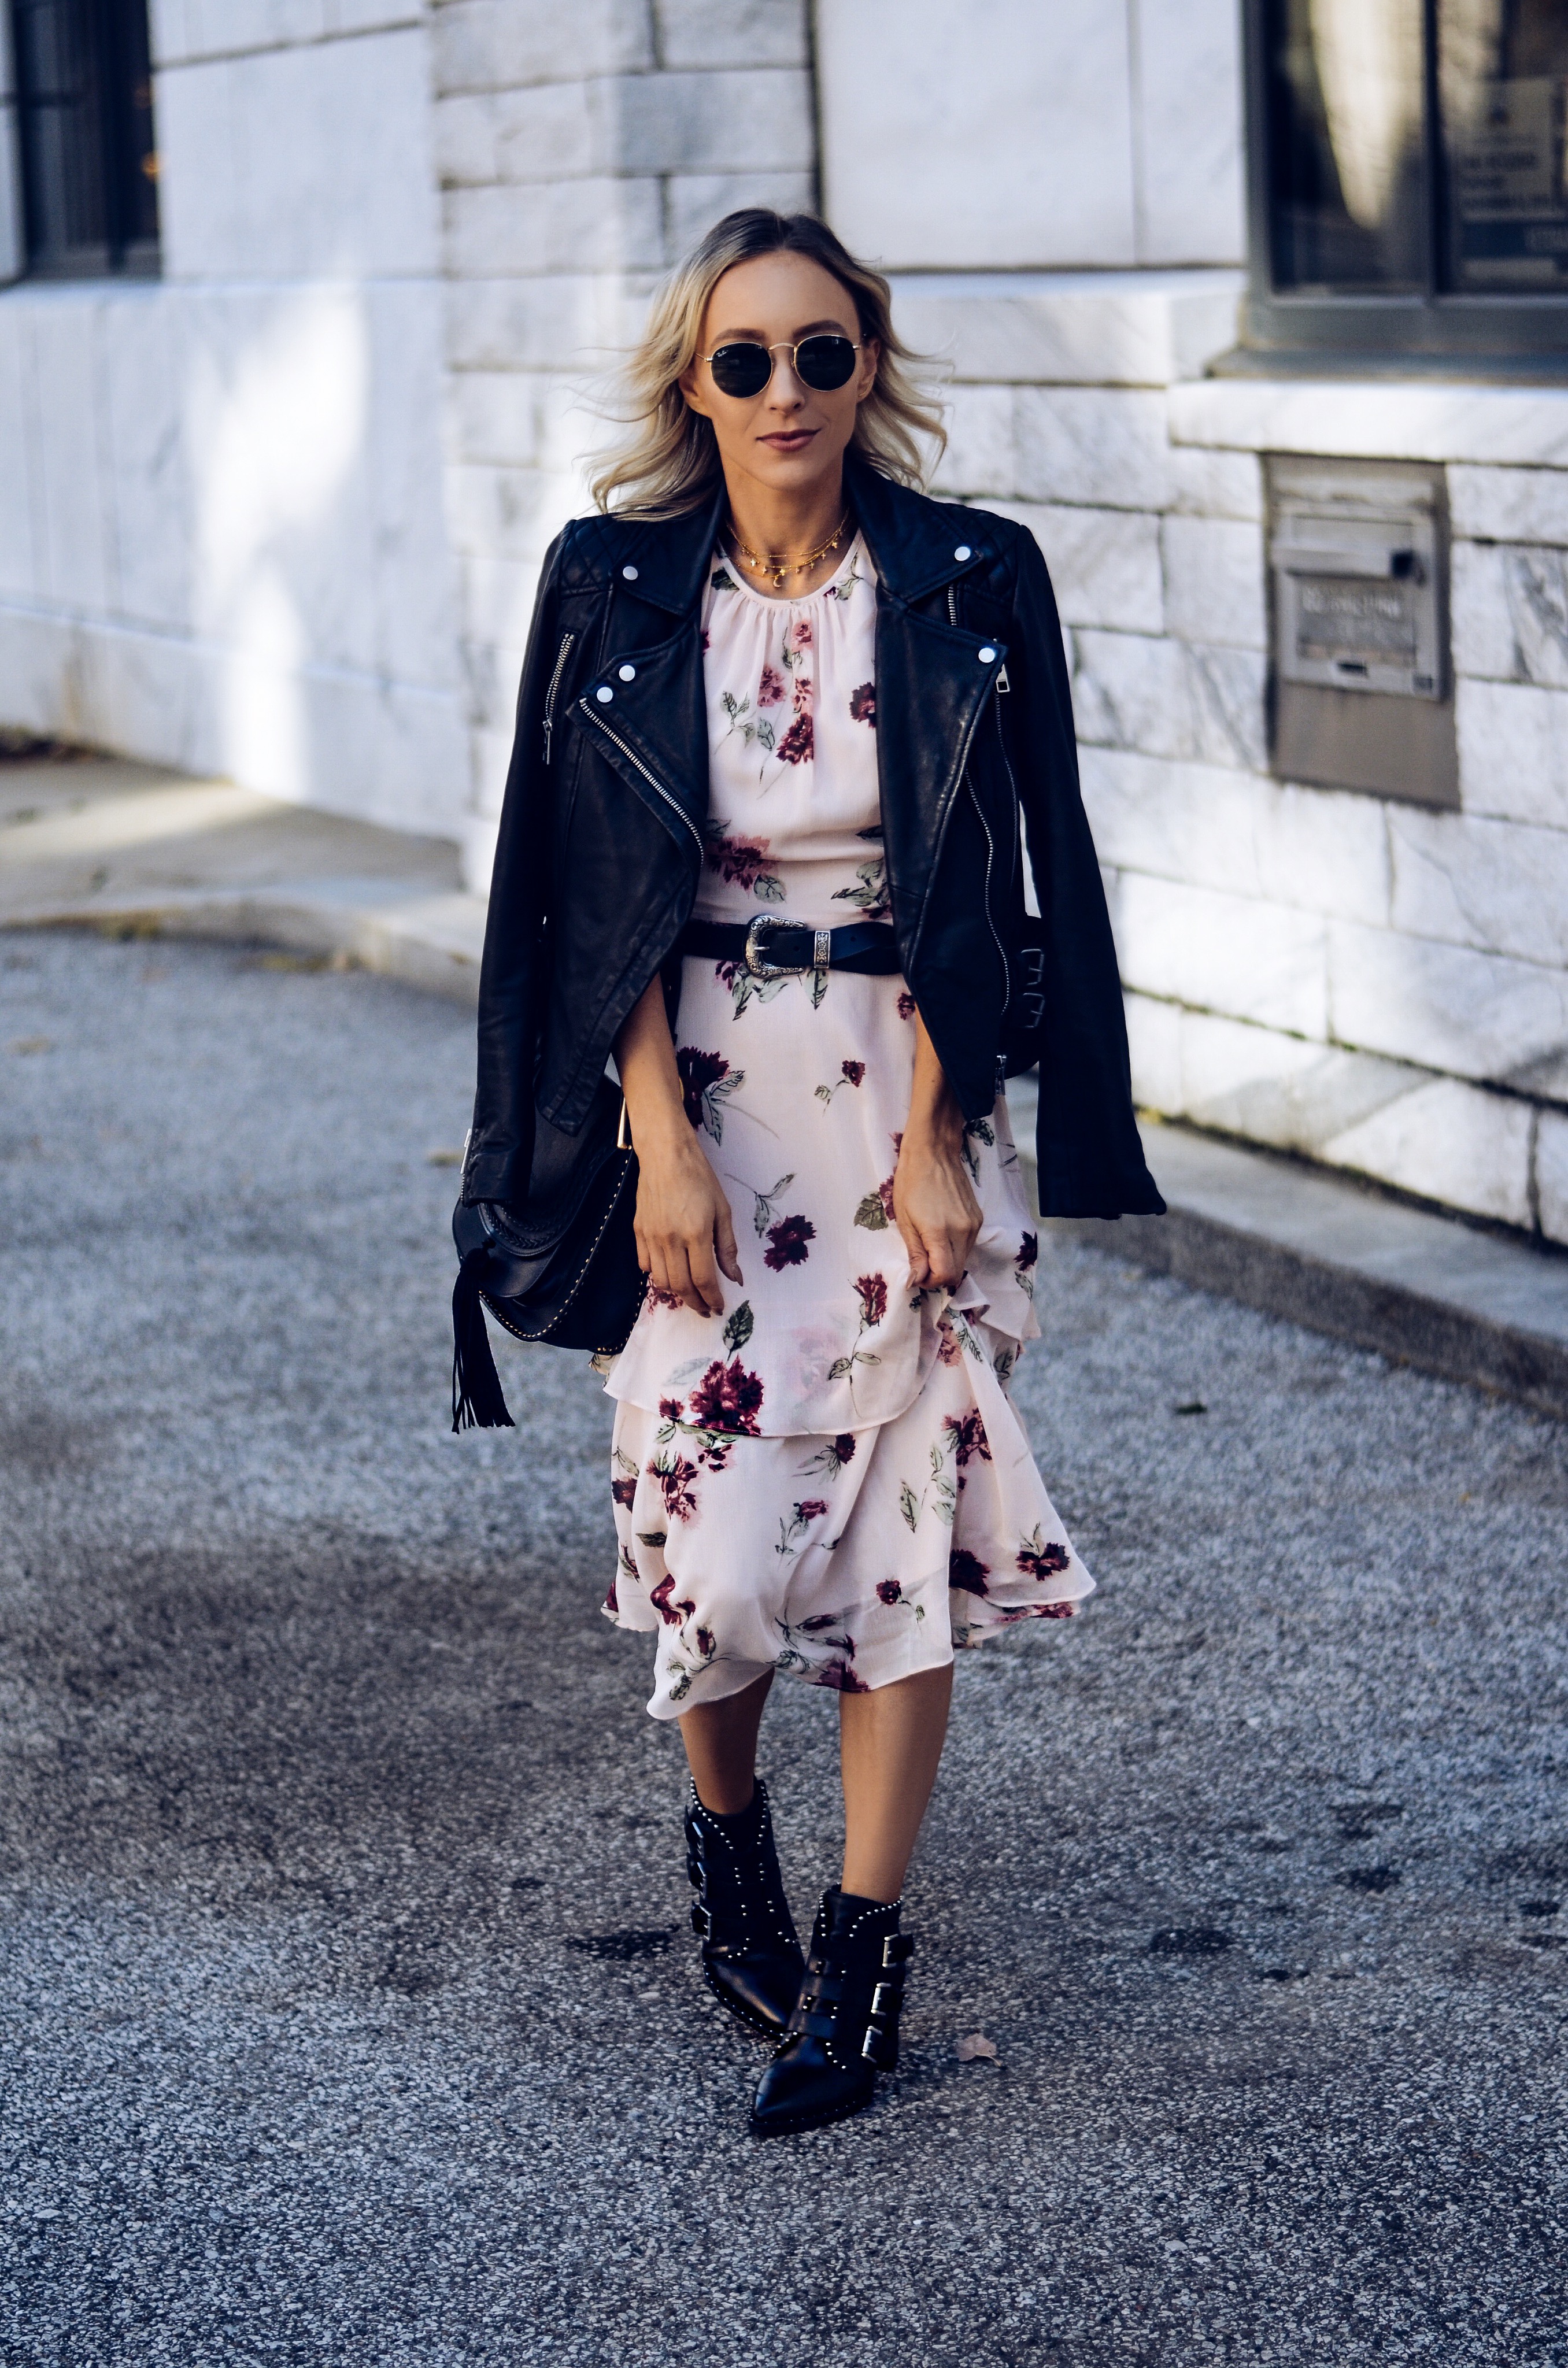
{"x": 562, "y": 1267}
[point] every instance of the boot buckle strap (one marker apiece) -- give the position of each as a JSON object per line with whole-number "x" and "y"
{"x": 897, "y": 1950}
{"x": 876, "y": 2049}
{"x": 701, "y": 1919}
{"x": 886, "y": 2000}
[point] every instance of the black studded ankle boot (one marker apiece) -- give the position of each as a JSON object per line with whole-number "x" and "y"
{"x": 751, "y": 1958}
{"x": 844, "y": 2030}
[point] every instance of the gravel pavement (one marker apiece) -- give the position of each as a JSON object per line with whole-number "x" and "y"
{"x": 346, "y": 2006}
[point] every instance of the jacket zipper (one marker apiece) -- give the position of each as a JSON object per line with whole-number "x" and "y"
{"x": 990, "y": 860}
{"x": 632, "y": 759}
{"x": 550, "y": 695}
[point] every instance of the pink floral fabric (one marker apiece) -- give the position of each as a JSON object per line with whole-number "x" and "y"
{"x": 829, "y": 1479}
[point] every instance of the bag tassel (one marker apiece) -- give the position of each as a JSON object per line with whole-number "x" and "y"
{"x": 477, "y": 1400}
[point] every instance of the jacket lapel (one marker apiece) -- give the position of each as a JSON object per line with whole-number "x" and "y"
{"x": 933, "y": 680}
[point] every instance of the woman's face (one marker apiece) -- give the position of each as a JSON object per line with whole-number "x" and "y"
{"x": 790, "y": 437}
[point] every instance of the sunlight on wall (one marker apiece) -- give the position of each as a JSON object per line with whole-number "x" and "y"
{"x": 280, "y": 428}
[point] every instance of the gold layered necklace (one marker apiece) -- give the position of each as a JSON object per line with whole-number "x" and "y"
{"x": 779, "y": 563}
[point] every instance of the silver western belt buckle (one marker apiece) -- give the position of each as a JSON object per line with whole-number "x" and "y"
{"x": 760, "y": 935}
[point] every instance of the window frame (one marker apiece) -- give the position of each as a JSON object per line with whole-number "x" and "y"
{"x": 123, "y": 253}
{"x": 1502, "y": 335}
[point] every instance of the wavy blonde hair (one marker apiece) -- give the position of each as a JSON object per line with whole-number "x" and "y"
{"x": 669, "y": 465}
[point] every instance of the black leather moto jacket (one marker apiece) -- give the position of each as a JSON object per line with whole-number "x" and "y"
{"x": 601, "y": 838}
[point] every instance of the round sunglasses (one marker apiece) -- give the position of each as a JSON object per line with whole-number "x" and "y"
{"x": 745, "y": 368}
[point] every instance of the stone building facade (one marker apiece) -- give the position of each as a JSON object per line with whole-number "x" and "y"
{"x": 279, "y": 512}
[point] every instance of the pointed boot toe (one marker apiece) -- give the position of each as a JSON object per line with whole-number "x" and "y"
{"x": 843, "y": 2029}
{"x": 751, "y": 1957}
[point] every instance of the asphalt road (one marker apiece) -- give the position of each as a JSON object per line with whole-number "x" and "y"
{"x": 347, "y": 2010}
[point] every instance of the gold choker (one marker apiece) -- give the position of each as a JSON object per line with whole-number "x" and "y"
{"x": 779, "y": 563}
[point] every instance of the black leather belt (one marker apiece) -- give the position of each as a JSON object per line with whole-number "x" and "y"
{"x": 771, "y": 947}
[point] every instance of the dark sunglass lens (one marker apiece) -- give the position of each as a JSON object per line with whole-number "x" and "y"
{"x": 825, "y": 362}
{"x": 743, "y": 369}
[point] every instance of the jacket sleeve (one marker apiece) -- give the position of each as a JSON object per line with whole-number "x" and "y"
{"x": 500, "y": 1144}
{"x": 1090, "y": 1156}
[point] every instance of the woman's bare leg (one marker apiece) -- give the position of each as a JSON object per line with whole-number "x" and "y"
{"x": 890, "y": 1743}
{"x": 721, "y": 1748}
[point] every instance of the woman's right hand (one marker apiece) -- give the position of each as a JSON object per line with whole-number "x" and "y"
{"x": 684, "y": 1234}
{"x": 684, "y": 1230}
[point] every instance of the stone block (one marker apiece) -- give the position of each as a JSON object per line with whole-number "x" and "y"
{"x": 1187, "y": 126}
{"x": 1170, "y": 699}
{"x": 492, "y": 676}
{"x": 204, "y": 29}
{"x": 1153, "y": 1044}
{"x": 912, "y": 97}
{"x": 277, "y": 404}
{"x": 747, "y": 33}
{"x": 20, "y": 569}
{"x": 498, "y": 594}
{"x": 412, "y": 574}
{"x": 373, "y": 15}
{"x": 1510, "y": 612}
{"x": 747, "y": 121}
{"x": 555, "y": 321}
{"x": 499, "y": 44}
{"x": 1214, "y": 582}
{"x": 1238, "y": 1078}
{"x": 981, "y": 457}
{"x": 480, "y": 834}
{"x": 1513, "y": 749}
{"x": 1535, "y": 584}
{"x": 1216, "y": 484}
{"x": 1053, "y": 328}
{"x": 142, "y": 349}
{"x": 1451, "y": 1143}
{"x": 541, "y": 133}
{"x": 1105, "y": 565}
{"x": 1481, "y": 629}
{"x": 1482, "y": 1016}
{"x": 1318, "y": 850}
{"x": 1105, "y": 447}
{"x": 1552, "y": 1175}
{"x": 74, "y": 506}
{"x": 36, "y": 654}
{"x": 494, "y": 417}
{"x": 1376, "y": 420}
{"x": 1231, "y": 955}
{"x": 500, "y": 513}
{"x": 695, "y": 201}
{"x": 554, "y": 226}
{"x": 1500, "y": 887}
{"x": 1509, "y": 505}
{"x": 350, "y": 190}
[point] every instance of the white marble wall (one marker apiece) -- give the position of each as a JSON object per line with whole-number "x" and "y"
{"x": 1383, "y": 987}
{"x": 579, "y": 155}
{"x": 1006, "y": 136}
{"x": 226, "y": 548}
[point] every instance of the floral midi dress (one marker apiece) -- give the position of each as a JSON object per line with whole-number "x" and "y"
{"x": 829, "y": 1479}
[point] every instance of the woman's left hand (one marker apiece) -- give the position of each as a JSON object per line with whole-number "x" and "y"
{"x": 933, "y": 1207}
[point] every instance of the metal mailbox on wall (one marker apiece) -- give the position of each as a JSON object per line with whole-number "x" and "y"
{"x": 1359, "y": 569}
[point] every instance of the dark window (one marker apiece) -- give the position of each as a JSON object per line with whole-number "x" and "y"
{"x": 89, "y": 167}
{"x": 1409, "y": 178}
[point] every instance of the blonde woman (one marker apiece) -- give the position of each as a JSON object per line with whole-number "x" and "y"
{"x": 789, "y": 735}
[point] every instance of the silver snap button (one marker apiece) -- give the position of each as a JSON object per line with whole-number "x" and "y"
{"x": 964, "y": 552}
{"x": 986, "y": 655}
{"x": 627, "y": 673}
{"x": 630, "y": 573}
{"x": 604, "y": 694}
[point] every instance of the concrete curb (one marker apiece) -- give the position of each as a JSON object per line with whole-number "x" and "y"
{"x": 430, "y": 942}
{"x": 1423, "y": 1290}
